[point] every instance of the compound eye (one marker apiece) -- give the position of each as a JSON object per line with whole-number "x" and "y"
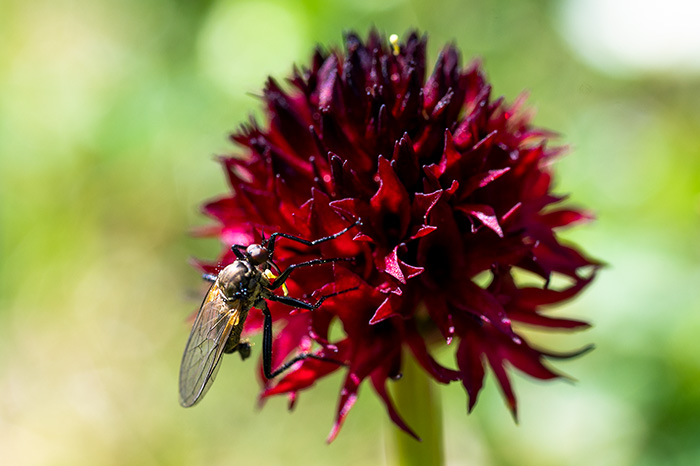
{"x": 258, "y": 253}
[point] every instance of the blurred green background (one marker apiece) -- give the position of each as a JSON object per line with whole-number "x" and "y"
{"x": 110, "y": 116}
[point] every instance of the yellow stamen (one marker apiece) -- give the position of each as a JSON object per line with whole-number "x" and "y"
{"x": 394, "y": 40}
{"x": 271, "y": 276}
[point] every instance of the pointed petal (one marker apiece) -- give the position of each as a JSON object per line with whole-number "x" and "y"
{"x": 420, "y": 351}
{"x": 379, "y": 384}
{"x": 472, "y": 368}
{"x": 484, "y": 213}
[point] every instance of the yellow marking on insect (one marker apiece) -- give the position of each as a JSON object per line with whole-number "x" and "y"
{"x": 394, "y": 40}
{"x": 212, "y": 294}
{"x": 271, "y": 276}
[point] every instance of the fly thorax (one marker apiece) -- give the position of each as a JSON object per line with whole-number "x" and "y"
{"x": 235, "y": 279}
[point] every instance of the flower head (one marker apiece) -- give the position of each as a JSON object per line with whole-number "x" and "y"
{"x": 448, "y": 185}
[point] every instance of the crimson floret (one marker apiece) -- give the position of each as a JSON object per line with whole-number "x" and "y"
{"x": 448, "y": 185}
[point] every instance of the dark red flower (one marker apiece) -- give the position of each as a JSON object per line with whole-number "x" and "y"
{"x": 448, "y": 184}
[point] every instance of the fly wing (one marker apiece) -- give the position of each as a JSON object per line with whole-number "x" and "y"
{"x": 200, "y": 362}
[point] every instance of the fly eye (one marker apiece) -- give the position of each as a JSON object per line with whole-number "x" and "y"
{"x": 258, "y": 253}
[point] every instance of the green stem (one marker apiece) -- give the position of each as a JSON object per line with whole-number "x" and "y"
{"x": 418, "y": 403}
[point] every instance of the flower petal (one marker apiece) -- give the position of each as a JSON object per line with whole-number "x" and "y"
{"x": 484, "y": 213}
{"x": 379, "y": 382}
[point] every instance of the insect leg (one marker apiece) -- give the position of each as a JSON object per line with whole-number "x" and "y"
{"x": 298, "y": 358}
{"x": 267, "y": 347}
{"x": 298, "y": 303}
{"x": 210, "y": 277}
{"x": 236, "y": 249}
{"x": 279, "y": 281}
{"x": 267, "y": 342}
{"x": 273, "y": 237}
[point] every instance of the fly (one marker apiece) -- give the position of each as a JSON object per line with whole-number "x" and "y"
{"x": 240, "y": 286}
